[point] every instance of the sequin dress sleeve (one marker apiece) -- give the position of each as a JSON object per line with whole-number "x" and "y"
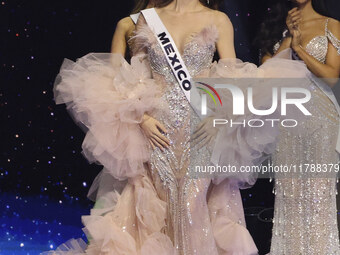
{"x": 333, "y": 39}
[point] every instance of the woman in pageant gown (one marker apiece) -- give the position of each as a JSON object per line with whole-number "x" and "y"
{"x": 146, "y": 201}
{"x": 305, "y": 214}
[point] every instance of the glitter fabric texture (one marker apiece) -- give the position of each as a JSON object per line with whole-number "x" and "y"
{"x": 305, "y": 214}
{"x": 191, "y": 232}
{"x": 318, "y": 46}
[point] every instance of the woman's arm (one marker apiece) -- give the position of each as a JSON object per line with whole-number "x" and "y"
{"x": 119, "y": 38}
{"x": 331, "y": 69}
{"x": 225, "y": 43}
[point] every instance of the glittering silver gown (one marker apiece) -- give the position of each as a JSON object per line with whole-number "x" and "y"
{"x": 305, "y": 214}
{"x": 147, "y": 203}
{"x": 170, "y": 168}
{"x": 190, "y": 227}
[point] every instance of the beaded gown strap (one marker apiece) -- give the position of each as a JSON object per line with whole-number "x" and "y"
{"x": 331, "y": 37}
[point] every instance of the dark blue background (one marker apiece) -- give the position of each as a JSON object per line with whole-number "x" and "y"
{"x": 44, "y": 179}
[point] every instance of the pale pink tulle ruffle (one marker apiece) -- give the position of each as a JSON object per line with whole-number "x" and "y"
{"x": 227, "y": 220}
{"x": 131, "y": 224}
{"x": 71, "y": 247}
{"x": 108, "y": 97}
{"x": 239, "y": 146}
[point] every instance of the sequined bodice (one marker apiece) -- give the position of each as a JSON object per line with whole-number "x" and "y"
{"x": 318, "y": 46}
{"x": 197, "y": 55}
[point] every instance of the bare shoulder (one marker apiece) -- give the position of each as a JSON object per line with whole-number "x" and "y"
{"x": 334, "y": 27}
{"x": 125, "y": 23}
{"x": 221, "y": 19}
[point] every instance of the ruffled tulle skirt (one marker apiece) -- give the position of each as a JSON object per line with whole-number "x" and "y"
{"x": 107, "y": 97}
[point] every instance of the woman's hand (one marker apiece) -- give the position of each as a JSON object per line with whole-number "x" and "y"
{"x": 293, "y": 20}
{"x": 204, "y": 133}
{"x": 296, "y": 41}
{"x": 154, "y": 131}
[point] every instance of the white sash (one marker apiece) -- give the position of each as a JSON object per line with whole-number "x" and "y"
{"x": 173, "y": 58}
{"x": 135, "y": 17}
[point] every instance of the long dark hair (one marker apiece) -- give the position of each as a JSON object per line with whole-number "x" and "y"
{"x": 142, "y": 4}
{"x": 139, "y": 5}
{"x": 275, "y": 23}
{"x": 213, "y": 4}
{"x": 272, "y": 27}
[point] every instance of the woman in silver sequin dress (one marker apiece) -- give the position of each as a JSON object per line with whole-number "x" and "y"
{"x": 305, "y": 214}
{"x": 138, "y": 128}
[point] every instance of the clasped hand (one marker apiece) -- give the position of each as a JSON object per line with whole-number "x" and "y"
{"x": 293, "y": 21}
